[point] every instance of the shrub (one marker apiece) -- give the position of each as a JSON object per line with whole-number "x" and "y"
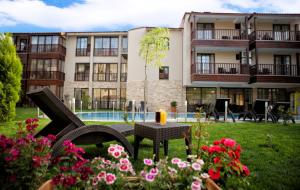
{"x": 24, "y": 159}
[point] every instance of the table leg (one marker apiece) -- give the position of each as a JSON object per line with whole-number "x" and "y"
{"x": 166, "y": 147}
{"x": 137, "y": 140}
{"x": 156, "y": 150}
{"x": 188, "y": 143}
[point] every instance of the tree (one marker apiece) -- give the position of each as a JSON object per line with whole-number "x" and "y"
{"x": 153, "y": 48}
{"x": 10, "y": 78}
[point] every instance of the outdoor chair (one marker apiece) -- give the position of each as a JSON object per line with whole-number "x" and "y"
{"x": 219, "y": 109}
{"x": 65, "y": 125}
{"x": 277, "y": 114}
{"x": 258, "y": 111}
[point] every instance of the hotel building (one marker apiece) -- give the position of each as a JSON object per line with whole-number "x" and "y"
{"x": 211, "y": 55}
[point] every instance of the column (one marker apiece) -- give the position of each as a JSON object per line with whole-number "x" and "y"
{"x": 91, "y": 67}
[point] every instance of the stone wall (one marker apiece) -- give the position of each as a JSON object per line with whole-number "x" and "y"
{"x": 160, "y": 94}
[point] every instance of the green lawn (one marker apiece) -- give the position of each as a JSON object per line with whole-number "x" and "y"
{"x": 272, "y": 168}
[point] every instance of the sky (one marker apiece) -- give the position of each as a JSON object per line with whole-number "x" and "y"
{"x": 119, "y": 15}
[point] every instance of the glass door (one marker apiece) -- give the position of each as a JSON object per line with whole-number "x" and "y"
{"x": 205, "y": 63}
{"x": 205, "y": 31}
{"x": 282, "y": 64}
{"x": 281, "y": 31}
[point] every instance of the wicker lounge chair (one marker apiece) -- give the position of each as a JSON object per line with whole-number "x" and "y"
{"x": 219, "y": 109}
{"x": 276, "y": 113}
{"x": 67, "y": 126}
{"x": 258, "y": 111}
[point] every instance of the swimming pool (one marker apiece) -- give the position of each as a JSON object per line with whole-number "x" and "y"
{"x": 137, "y": 116}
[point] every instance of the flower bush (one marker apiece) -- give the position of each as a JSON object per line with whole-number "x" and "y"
{"x": 24, "y": 159}
{"x": 223, "y": 163}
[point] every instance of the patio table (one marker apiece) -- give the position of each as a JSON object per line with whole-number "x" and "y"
{"x": 161, "y": 133}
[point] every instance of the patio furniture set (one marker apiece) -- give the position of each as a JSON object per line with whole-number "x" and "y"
{"x": 65, "y": 125}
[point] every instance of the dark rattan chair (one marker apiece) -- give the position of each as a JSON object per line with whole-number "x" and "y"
{"x": 258, "y": 111}
{"x": 277, "y": 114}
{"x": 67, "y": 126}
{"x": 219, "y": 109}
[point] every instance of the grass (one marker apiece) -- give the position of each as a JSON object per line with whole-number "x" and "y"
{"x": 271, "y": 151}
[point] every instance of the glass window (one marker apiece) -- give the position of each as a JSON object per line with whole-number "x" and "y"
{"x": 34, "y": 39}
{"x": 106, "y": 43}
{"x": 55, "y": 39}
{"x": 98, "y": 42}
{"x": 33, "y": 65}
{"x": 41, "y": 39}
{"x": 124, "y": 43}
{"x": 200, "y": 97}
{"x": 82, "y": 42}
{"x": 114, "y": 43}
{"x": 164, "y": 72}
{"x": 48, "y": 39}
{"x": 40, "y": 65}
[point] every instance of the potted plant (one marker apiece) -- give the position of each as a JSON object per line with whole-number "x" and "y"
{"x": 173, "y": 106}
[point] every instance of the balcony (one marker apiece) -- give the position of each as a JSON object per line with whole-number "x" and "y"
{"x": 82, "y": 76}
{"x": 124, "y": 50}
{"x": 45, "y": 75}
{"x": 229, "y": 72}
{"x": 22, "y": 48}
{"x": 106, "y": 77}
{"x": 220, "y": 37}
{"x": 106, "y": 51}
{"x": 275, "y": 73}
{"x": 48, "y": 48}
{"x": 82, "y": 52}
{"x": 274, "y": 39}
{"x": 123, "y": 77}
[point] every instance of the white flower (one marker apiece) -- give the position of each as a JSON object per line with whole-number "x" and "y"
{"x": 204, "y": 175}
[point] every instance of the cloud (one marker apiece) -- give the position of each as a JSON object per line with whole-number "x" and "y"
{"x": 114, "y": 14}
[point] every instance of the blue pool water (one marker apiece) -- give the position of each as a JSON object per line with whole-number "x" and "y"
{"x": 119, "y": 116}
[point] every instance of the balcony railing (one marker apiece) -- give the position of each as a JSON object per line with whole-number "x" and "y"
{"x": 219, "y": 68}
{"x": 275, "y": 69}
{"x": 123, "y": 77}
{"x": 108, "y": 77}
{"x": 47, "y": 48}
{"x": 82, "y": 52}
{"x": 82, "y": 76}
{"x": 106, "y": 51}
{"x": 21, "y": 48}
{"x": 219, "y": 34}
{"x": 124, "y": 50}
{"x": 48, "y": 75}
{"x": 275, "y": 35}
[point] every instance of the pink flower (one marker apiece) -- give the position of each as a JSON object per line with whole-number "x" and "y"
{"x": 154, "y": 171}
{"x": 120, "y": 148}
{"x": 124, "y": 161}
{"x": 148, "y": 162}
{"x": 246, "y": 170}
{"x": 123, "y": 167}
{"x": 116, "y": 154}
{"x": 182, "y": 165}
{"x": 51, "y": 137}
{"x": 196, "y": 166}
{"x": 229, "y": 142}
{"x": 110, "y": 178}
{"x": 101, "y": 175}
{"x": 175, "y": 160}
{"x": 111, "y": 149}
{"x": 95, "y": 181}
{"x": 149, "y": 177}
{"x": 143, "y": 174}
{"x": 196, "y": 185}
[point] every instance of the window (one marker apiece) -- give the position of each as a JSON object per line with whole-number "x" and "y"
{"x": 282, "y": 64}
{"x": 106, "y": 46}
{"x": 205, "y": 31}
{"x": 123, "y": 76}
{"x": 124, "y": 44}
{"x": 45, "y": 43}
{"x": 200, "y": 97}
{"x": 46, "y": 69}
{"x": 122, "y": 98}
{"x": 104, "y": 98}
{"x": 106, "y": 72}
{"x": 204, "y": 63}
{"x": 273, "y": 94}
{"x": 82, "y": 72}
{"x": 164, "y": 72}
{"x": 82, "y": 46}
{"x": 281, "y": 31}
{"x": 81, "y": 94}
{"x": 240, "y": 99}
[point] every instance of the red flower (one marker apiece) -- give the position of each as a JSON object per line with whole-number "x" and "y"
{"x": 214, "y": 175}
{"x": 217, "y": 142}
{"x": 215, "y": 148}
{"x": 204, "y": 148}
{"x": 217, "y": 160}
{"x": 229, "y": 142}
{"x": 246, "y": 170}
